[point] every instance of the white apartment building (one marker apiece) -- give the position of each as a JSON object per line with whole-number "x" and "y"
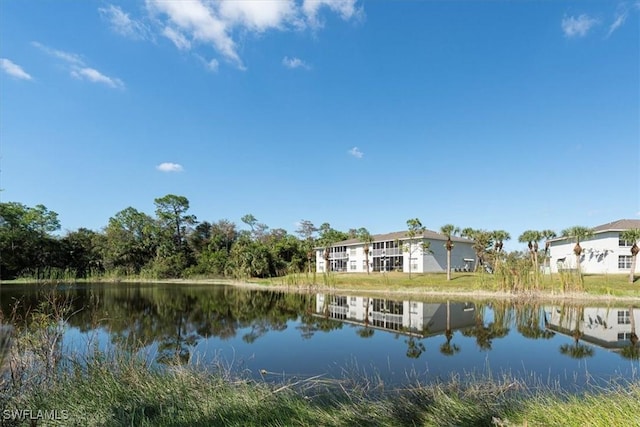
{"x": 604, "y": 253}
{"x": 397, "y": 252}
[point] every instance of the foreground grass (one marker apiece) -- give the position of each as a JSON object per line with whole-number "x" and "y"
{"x": 117, "y": 392}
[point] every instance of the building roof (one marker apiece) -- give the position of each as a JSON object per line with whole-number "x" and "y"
{"x": 402, "y": 235}
{"x": 619, "y": 225}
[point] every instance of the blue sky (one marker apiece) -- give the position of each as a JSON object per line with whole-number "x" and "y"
{"x": 490, "y": 114}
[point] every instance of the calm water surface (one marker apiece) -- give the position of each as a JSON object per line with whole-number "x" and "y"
{"x": 294, "y": 335}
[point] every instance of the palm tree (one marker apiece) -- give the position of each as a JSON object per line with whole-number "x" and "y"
{"x": 365, "y": 237}
{"x": 449, "y": 230}
{"x": 632, "y": 235}
{"x": 499, "y": 237}
{"x": 414, "y": 229}
{"x": 577, "y": 233}
{"x": 531, "y": 238}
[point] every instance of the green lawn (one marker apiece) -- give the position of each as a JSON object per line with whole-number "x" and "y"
{"x": 601, "y": 285}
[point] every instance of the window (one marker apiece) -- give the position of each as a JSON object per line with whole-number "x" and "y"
{"x": 352, "y": 265}
{"x": 352, "y": 301}
{"x": 624, "y": 262}
{"x": 624, "y": 243}
{"x": 352, "y": 252}
{"x": 623, "y": 317}
{"x": 624, "y": 336}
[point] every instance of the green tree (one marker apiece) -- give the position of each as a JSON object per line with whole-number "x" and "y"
{"x": 578, "y": 234}
{"x": 482, "y": 241}
{"x": 82, "y": 252}
{"x": 306, "y": 230}
{"x": 25, "y": 240}
{"x": 131, "y": 241}
{"x": 328, "y": 237}
{"x": 632, "y": 235}
{"x": 171, "y": 211}
{"x": 449, "y": 230}
{"x": 366, "y": 238}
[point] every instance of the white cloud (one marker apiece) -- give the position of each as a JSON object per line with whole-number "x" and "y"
{"x": 345, "y": 8}
{"x": 169, "y": 167}
{"x": 577, "y": 26}
{"x": 258, "y": 15}
{"x": 220, "y": 23}
{"x": 122, "y": 24}
{"x": 96, "y": 76}
{"x": 355, "y": 152}
{"x": 178, "y": 39}
{"x": 294, "y": 63}
{"x": 78, "y": 68}
{"x": 13, "y": 69}
{"x": 201, "y": 21}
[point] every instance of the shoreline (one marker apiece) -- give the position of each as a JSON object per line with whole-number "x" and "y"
{"x": 349, "y": 289}
{"x": 425, "y": 292}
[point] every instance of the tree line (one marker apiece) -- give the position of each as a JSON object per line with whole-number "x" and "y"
{"x": 173, "y": 243}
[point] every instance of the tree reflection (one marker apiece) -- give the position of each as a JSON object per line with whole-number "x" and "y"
{"x": 414, "y": 348}
{"x": 530, "y": 324}
{"x": 447, "y": 348}
{"x": 576, "y": 350}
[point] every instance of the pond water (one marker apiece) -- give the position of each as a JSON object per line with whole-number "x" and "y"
{"x": 277, "y": 335}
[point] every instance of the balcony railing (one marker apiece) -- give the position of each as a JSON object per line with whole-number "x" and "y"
{"x": 387, "y": 252}
{"x": 338, "y": 255}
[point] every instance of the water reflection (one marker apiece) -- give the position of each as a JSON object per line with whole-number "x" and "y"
{"x": 311, "y": 334}
{"x": 611, "y": 328}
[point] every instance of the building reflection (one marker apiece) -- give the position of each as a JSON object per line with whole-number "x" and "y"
{"x": 407, "y": 317}
{"x": 611, "y": 328}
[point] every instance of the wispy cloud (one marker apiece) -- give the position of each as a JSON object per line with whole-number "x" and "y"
{"x": 219, "y": 23}
{"x": 355, "y": 152}
{"x": 13, "y": 69}
{"x": 78, "y": 69}
{"x": 123, "y": 24}
{"x": 178, "y": 39}
{"x": 169, "y": 167}
{"x": 577, "y": 26}
{"x": 294, "y": 63}
{"x": 621, "y": 14}
{"x": 96, "y": 76}
{"x": 70, "y": 58}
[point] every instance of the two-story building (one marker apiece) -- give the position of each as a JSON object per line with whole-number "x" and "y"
{"x": 605, "y": 252}
{"x": 398, "y": 252}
